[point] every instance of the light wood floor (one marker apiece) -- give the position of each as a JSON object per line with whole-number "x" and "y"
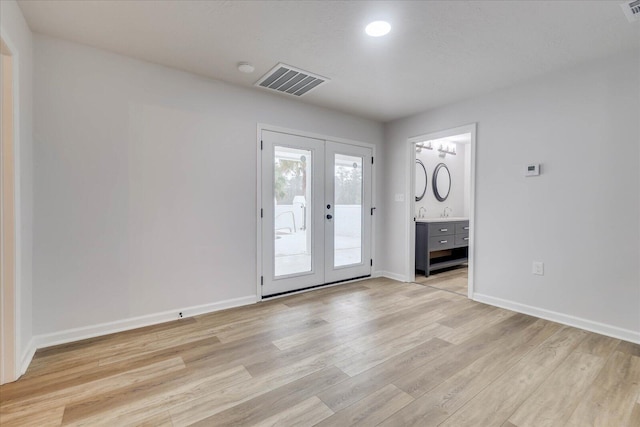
{"x": 452, "y": 280}
{"x": 370, "y": 353}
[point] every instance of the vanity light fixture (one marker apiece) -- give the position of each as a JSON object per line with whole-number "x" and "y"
{"x": 378, "y": 28}
{"x": 423, "y": 145}
{"x": 447, "y": 150}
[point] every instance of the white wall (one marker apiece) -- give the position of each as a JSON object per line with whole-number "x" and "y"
{"x": 457, "y": 196}
{"x": 581, "y": 216}
{"x": 145, "y": 184}
{"x": 17, "y": 34}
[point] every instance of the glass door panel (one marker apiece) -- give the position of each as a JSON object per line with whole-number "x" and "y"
{"x": 293, "y": 203}
{"x": 348, "y": 211}
{"x": 347, "y": 231}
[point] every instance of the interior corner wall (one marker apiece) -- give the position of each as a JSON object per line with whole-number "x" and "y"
{"x": 580, "y": 216}
{"x": 146, "y": 184}
{"x": 16, "y": 31}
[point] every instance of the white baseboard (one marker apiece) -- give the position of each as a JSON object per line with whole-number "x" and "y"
{"x": 77, "y": 334}
{"x": 27, "y": 355}
{"x": 394, "y": 276}
{"x": 565, "y": 319}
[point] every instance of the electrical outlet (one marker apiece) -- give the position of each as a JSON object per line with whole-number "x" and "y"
{"x": 537, "y": 268}
{"x": 180, "y": 315}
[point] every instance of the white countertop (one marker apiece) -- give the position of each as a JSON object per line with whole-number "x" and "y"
{"x": 446, "y": 219}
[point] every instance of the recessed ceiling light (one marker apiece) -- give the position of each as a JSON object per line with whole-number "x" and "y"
{"x": 378, "y": 28}
{"x": 245, "y": 67}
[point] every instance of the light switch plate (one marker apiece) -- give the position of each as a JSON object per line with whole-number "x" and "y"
{"x": 399, "y": 197}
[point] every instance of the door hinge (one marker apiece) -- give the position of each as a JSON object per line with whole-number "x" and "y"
{"x": 261, "y": 144}
{"x": 371, "y": 262}
{"x": 261, "y": 213}
{"x": 372, "y": 209}
{"x": 261, "y": 280}
{"x": 371, "y": 159}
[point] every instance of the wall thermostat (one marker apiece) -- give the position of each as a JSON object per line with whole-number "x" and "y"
{"x": 532, "y": 170}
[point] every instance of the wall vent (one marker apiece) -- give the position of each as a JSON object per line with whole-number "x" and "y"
{"x": 290, "y": 80}
{"x": 631, "y": 10}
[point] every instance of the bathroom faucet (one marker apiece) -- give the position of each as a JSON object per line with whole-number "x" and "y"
{"x": 420, "y": 215}
{"x": 446, "y": 213}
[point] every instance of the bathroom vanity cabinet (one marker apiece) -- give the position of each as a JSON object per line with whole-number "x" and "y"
{"x": 441, "y": 243}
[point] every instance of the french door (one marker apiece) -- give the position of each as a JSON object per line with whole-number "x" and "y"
{"x": 316, "y": 212}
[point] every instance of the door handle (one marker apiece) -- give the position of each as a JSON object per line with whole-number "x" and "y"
{"x": 329, "y": 216}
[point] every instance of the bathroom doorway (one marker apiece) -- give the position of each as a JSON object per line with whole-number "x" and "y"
{"x": 441, "y": 215}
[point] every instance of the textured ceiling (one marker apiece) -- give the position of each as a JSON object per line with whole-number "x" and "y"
{"x": 437, "y": 52}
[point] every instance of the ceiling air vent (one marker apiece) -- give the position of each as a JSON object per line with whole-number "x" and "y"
{"x": 290, "y": 80}
{"x": 631, "y": 10}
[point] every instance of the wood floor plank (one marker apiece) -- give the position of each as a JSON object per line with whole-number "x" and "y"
{"x": 377, "y": 352}
{"x": 150, "y": 398}
{"x": 89, "y": 351}
{"x": 370, "y": 410}
{"x": 345, "y": 332}
{"x": 356, "y": 388}
{"x": 553, "y": 403}
{"x": 42, "y": 417}
{"x": 629, "y": 348}
{"x": 162, "y": 419}
{"x": 417, "y": 383}
{"x": 437, "y": 405}
{"x": 209, "y": 404}
{"x": 307, "y": 413}
{"x": 277, "y": 401}
{"x": 159, "y": 344}
{"x": 274, "y": 330}
{"x": 463, "y": 332}
{"x": 468, "y": 315}
{"x": 284, "y": 358}
{"x": 597, "y": 345}
{"x": 58, "y": 380}
{"x": 68, "y": 395}
{"x": 106, "y": 342}
{"x": 609, "y": 401}
{"x": 634, "y": 419}
{"x": 328, "y": 294}
{"x": 495, "y": 404}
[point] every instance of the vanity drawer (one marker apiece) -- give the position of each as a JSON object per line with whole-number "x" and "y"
{"x": 441, "y": 229}
{"x": 437, "y": 243}
{"x": 461, "y": 240}
{"x": 462, "y": 227}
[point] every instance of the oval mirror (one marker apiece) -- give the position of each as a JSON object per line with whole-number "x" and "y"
{"x": 441, "y": 182}
{"x": 421, "y": 180}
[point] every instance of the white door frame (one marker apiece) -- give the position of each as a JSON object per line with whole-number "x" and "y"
{"x": 264, "y": 126}
{"x": 411, "y": 206}
{"x": 10, "y": 370}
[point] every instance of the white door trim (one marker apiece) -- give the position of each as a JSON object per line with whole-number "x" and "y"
{"x": 410, "y": 206}
{"x": 264, "y": 126}
{"x": 11, "y": 371}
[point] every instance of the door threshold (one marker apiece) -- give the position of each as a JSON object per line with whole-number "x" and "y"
{"x": 309, "y": 288}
